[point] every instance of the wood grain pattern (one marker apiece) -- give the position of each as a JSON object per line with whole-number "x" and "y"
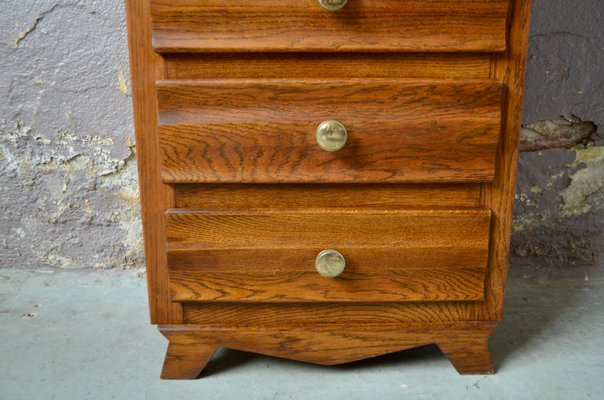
{"x": 418, "y": 48}
{"x": 186, "y": 360}
{"x": 437, "y": 284}
{"x": 338, "y": 196}
{"x": 510, "y": 68}
{"x": 146, "y": 68}
{"x": 269, "y": 256}
{"x": 328, "y": 65}
{"x": 278, "y": 314}
{"x": 317, "y": 228}
{"x": 469, "y": 357}
{"x": 302, "y": 25}
{"x": 398, "y": 131}
{"x": 329, "y": 345}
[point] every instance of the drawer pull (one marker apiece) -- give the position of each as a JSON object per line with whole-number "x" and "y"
{"x": 330, "y": 263}
{"x": 333, "y": 5}
{"x": 331, "y": 135}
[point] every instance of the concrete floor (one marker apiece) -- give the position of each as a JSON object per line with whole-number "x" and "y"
{"x": 84, "y": 335}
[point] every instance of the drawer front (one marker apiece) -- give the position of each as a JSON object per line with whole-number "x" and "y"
{"x": 303, "y": 25}
{"x": 392, "y": 256}
{"x": 265, "y": 130}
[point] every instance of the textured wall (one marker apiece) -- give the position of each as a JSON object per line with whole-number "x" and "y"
{"x": 559, "y": 213}
{"x": 67, "y": 169}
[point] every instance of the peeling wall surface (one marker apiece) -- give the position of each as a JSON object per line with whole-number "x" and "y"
{"x": 559, "y": 209}
{"x": 68, "y": 184}
{"x": 69, "y": 192}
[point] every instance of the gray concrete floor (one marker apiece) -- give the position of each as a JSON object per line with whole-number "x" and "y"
{"x": 85, "y": 335}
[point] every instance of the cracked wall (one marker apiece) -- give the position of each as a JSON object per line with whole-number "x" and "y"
{"x": 67, "y": 170}
{"x": 69, "y": 191}
{"x": 559, "y": 208}
{"x": 559, "y": 202}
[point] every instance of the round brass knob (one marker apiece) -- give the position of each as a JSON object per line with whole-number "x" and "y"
{"x": 330, "y": 263}
{"x": 333, "y": 5}
{"x": 331, "y": 135}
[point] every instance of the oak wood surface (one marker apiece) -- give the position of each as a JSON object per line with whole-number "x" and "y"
{"x": 269, "y": 256}
{"x": 438, "y": 284}
{"x": 346, "y": 314}
{"x": 328, "y": 65}
{"x": 289, "y": 329}
{"x": 469, "y": 356}
{"x": 509, "y": 68}
{"x": 398, "y": 130}
{"x": 186, "y": 360}
{"x": 331, "y": 345}
{"x": 316, "y": 228}
{"x": 302, "y": 25}
{"x": 147, "y": 67}
{"x": 313, "y": 196}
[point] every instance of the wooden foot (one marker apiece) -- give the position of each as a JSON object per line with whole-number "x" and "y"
{"x": 186, "y": 357}
{"x": 469, "y": 355}
{"x": 191, "y": 346}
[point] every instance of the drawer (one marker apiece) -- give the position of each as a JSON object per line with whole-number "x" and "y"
{"x": 303, "y": 25}
{"x": 390, "y": 256}
{"x": 266, "y": 130}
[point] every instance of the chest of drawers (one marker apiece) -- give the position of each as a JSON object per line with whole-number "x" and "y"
{"x": 326, "y": 180}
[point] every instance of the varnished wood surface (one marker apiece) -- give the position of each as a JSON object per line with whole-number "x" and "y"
{"x": 330, "y": 345}
{"x": 147, "y": 67}
{"x": 186, "y": 360}
{"x": 437, "y": 284}
{"x": 344, "y": 314}
{"x": 317, "y": 228}
{"x": 302, "y": 25}
{"x": 509, "y": 68}
{"x": 313, "y": 196}
{"x": 267, "y": 327}
{"x": 328, "y": 65}
{"x": 469, "y": 356}
{"x": 398, "y": 130}
{"x": 269, "y": 256}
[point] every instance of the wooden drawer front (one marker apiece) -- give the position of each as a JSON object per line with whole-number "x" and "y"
{"x": 264, "y": 130}
{"x": 302, "y": 25}
{"x": 411, "y": 255}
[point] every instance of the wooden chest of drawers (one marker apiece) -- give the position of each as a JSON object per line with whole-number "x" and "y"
{"x": 326, "y": 180}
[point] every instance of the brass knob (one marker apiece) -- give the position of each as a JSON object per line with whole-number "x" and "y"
{"x": 330, "y": 263}
{"x": 333, "y": 5}
{"x": 331, "y": 135}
